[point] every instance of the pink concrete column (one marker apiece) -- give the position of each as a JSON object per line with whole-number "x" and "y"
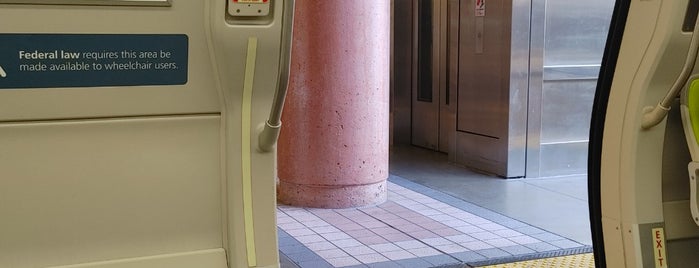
{"x": 333, "y": 149}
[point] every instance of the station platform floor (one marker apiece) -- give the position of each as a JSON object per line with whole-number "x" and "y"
{"x": 441, "y": 215}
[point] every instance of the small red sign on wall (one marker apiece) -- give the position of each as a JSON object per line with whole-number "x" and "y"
{"x": 480, "y": 8}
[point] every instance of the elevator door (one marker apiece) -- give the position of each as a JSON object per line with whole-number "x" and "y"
{"x": 128, "y": 132}
{"x": 425, "y": 101}
{"x": 429, "y": 119}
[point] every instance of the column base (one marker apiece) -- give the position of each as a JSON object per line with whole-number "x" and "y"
{"x": 331, "y": 196}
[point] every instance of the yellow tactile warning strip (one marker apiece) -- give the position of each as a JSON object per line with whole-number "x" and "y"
{"x": 570, "y": 261}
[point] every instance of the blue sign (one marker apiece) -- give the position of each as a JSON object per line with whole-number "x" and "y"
{"x": 92, "y": 60}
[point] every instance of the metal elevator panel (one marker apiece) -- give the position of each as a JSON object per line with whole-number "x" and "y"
{"x": 482, "y": 100}
{"x": 567, "y": 42}
{"x": 450, "y": 86}
{"x": 492, "y": 86}
{"x": 483, "y": 61}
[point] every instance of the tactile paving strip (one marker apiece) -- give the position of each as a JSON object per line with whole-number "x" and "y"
{"x": 570, "y": 261}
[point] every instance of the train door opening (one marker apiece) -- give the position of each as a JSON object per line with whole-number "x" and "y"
{"x": 642, "y": 146}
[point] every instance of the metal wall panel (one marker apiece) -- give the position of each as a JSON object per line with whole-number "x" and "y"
{"x": 567, "y": 43}
{"x": 563, "y": 158}
{"x": 566, "y": 110}
{"x": 484, "y": 59}
{"x": 446, "y": 116}
{"x": 493, "y": 83}
{"x": 576, "y": 31}
{"x": 536, "y": 83}
{"x": 519, "y": 88}
{"x": 449, "y": 105}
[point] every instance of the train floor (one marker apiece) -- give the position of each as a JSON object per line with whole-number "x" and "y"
{"x": 441, "y": 215}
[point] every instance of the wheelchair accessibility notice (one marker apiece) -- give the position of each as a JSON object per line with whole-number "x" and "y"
{"x": 92, "y": 60}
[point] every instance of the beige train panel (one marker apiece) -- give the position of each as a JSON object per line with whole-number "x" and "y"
{"x": 213, "y": 258}
{"x": 633, "y": 189}
{"x": 188, "y": 17}
{"x": 153, "y": 187}
{"x": 263, "y": 171}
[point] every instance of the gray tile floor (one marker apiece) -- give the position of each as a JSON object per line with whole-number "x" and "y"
{"x": 416, "y": 227}
{"x": 549, "y": 214}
